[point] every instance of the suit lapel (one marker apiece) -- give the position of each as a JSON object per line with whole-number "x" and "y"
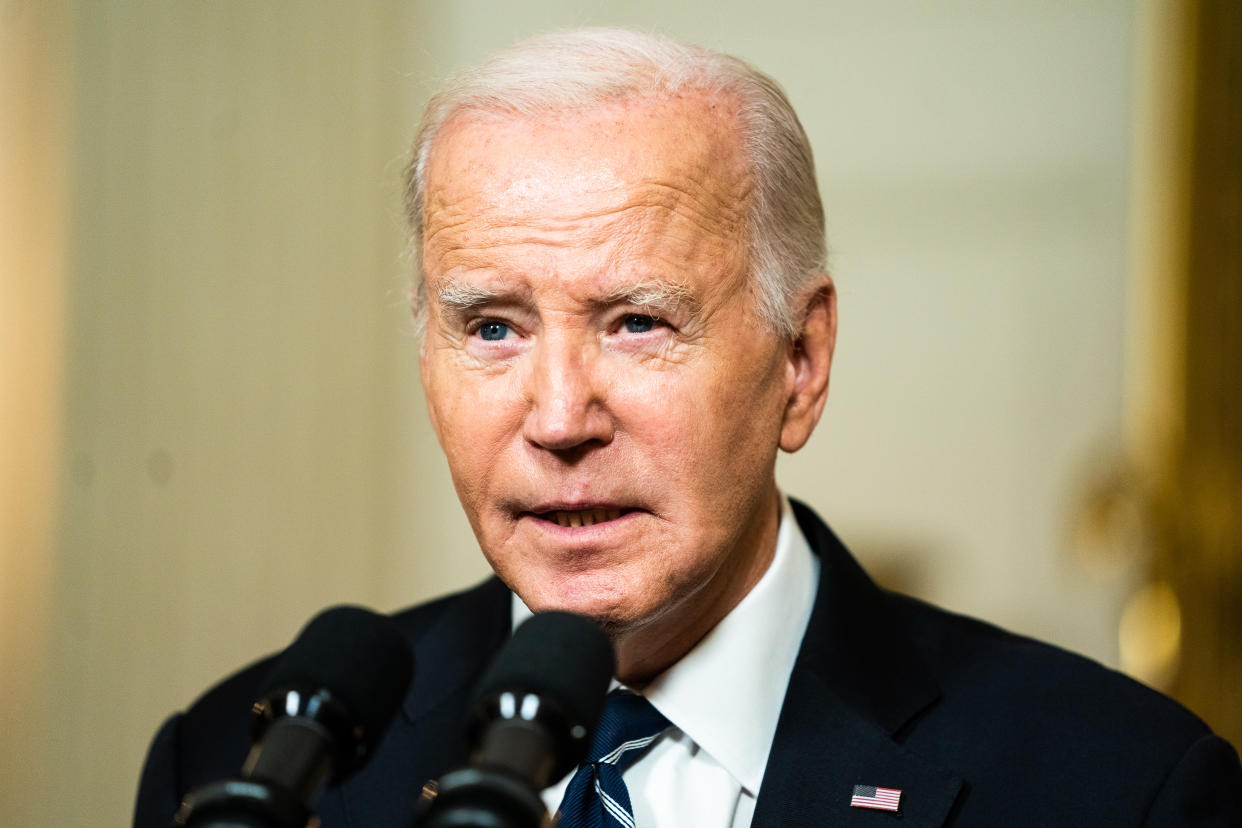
{"x": 857, "y": 683}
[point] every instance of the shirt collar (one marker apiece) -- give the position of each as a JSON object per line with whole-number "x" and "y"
{"x": 726, "y": 693}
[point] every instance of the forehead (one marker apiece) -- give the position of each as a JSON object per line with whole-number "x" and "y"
{"x": 679, "y": 153}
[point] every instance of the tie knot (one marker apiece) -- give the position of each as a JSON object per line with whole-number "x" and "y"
{"x": 629, "y": 724}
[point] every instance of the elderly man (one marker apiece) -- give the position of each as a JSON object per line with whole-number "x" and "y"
{"x": 625, "y": 315}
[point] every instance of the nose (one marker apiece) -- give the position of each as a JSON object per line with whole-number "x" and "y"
{"x": 567, "y": 406}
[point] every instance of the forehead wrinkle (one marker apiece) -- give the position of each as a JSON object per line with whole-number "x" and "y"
{"x": 642, "y": 237}
{"x": 687, "y": 218}
{"x": 684, "y": 194}
{"x": 483, "y": 243}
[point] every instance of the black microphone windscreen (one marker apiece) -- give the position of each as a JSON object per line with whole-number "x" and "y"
{"x": 560, "y": 655}
{"x": 361, "y": 657}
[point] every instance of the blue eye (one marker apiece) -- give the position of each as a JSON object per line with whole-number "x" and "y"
{"x": 637, "y": 323}
{"x": 493, "y": 331}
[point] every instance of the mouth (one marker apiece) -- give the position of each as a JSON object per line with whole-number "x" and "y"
{"x": 575, "y": 518}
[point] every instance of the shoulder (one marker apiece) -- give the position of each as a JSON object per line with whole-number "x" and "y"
{"x": 990, "y": 683}
{"x": 1019, "y": 718}
{"x": 1036, "y": 735}
{"x": 989, "y": 670}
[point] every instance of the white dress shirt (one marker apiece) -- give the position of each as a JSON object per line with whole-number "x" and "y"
{"x": 723, "y": 699}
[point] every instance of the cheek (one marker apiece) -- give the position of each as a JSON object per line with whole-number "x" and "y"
{"x": 442, "y": 404}
{"x": 710, "y": 433}
{"x": 468, "y": 418}
{"x": 739, "y": 426}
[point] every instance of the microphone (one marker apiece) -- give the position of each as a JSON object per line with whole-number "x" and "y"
{"x": 536, "y": 710}
{"x": 324, "y": 708}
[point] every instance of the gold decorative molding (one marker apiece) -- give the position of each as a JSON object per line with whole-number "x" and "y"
{"x": 1185, "y": 354}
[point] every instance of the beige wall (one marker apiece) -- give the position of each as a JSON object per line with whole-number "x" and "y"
{"x": 35, "y": 83}
{"x": 243, "y": 435}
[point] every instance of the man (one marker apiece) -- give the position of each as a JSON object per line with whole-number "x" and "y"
{"x": 626, "y": 315}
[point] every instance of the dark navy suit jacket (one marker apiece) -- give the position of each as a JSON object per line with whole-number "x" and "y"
{"x": 976, "y": 726}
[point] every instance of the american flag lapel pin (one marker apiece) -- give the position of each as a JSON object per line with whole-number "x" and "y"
{"x": 880, "y": 799}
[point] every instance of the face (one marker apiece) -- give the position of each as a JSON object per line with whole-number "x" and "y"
{"x": 607, "y": 397}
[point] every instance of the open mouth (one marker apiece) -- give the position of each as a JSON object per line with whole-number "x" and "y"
{"x": 581, "y": 517}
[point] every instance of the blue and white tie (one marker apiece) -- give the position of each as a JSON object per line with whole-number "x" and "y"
{"x": 597, "y": 796}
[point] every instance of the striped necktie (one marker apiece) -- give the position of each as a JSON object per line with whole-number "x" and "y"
{"x": 597, "y": 796}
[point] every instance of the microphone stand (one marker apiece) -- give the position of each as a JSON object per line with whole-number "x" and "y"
{"x": 243, "y": 803}
{"x": 500, "y": 788}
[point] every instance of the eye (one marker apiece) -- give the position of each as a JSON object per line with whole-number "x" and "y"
{"x": 639, "y": 323}
{"x": 493, "y": 331}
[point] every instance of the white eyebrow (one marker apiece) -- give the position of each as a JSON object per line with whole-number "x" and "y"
{"x": 665, "y": 296}
{"x": 459, "y": 297}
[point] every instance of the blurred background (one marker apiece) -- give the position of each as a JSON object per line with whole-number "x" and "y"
{"x": 211, "y": 423}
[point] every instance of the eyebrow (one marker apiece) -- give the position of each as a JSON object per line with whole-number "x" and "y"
{"x": 653, "y": 294}
{"x": 456, "y": 297}
{"x": 459, "y": 297}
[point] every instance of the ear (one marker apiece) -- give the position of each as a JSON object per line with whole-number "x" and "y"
{"x": 810, "y": 363}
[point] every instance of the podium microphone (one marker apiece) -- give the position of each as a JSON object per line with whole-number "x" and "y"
{"x": 326, "y": 705}
{"x": 537, "y": 708}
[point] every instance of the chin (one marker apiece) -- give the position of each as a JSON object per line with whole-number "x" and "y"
{"x": 607, "y": 605}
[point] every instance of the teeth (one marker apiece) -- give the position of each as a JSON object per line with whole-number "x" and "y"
{"x": 585, "y": 517}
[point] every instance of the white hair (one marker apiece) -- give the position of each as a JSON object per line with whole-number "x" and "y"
{"x": 578, "y": 69}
